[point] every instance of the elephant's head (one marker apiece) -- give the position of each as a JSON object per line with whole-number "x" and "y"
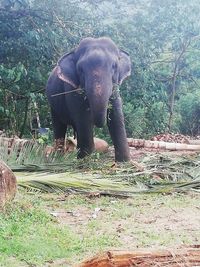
{"x": 96, "y": 65}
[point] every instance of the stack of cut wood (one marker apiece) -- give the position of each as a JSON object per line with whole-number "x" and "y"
{"x": 8, "y": 184}
{"x": 172, "y": 138}
{"x": 188, "y": 257}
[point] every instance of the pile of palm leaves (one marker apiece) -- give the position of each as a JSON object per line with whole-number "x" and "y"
{"x": 55, "y": 172}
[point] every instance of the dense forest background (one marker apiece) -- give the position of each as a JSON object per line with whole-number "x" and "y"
{"x": 162, "y": 38}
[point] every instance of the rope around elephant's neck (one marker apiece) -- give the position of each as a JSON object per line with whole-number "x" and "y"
{"x": 115, "y": 89}
{"x": 64, "y": 93}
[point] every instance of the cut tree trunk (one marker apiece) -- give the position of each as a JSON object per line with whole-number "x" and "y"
{"x": 8, "y": 184}
{"x": 142, "y": 143}
{"x": 187, "y": 257}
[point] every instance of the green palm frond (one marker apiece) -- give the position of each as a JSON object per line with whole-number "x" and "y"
{"x": 93, "y": 183}
{"x": 73, "y": 182}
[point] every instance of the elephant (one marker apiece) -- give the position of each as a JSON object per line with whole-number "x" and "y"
{"x": 82, "y": 91}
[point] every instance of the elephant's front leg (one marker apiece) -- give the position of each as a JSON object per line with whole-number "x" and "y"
{"x": 85, "y": 142}
{"x": 117, "y": 130}
{"x": 82, "y": 122}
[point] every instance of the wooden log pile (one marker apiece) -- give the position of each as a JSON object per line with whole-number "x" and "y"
{"x": 187, "y": 257}
{"x": 172, "y": 138}
{"x": 8, "y": 184}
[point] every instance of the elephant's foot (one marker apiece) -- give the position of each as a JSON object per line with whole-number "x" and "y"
{"x": 122, "y": 157}
{"x": 82, "y": 153}
{"x": 59, "y": 145}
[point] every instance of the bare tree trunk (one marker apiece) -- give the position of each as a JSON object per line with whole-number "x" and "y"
{"x": 25, "y": 119}
{"x": 173, "y": 93}
{"x": 37, "y": 114}
{"x": 173, "y": 86}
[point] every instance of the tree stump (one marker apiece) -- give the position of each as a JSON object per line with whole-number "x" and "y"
{"x": 187, "y": 257}
{"x": 8, "y": 184}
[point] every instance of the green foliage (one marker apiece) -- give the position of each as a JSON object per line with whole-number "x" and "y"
{"x": 189, "y": 108}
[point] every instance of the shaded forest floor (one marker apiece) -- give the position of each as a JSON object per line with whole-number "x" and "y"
{"x": 61, "y": 230}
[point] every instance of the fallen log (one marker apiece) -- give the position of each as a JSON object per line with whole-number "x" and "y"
{"x": 100, "y": 144}
{"x": 187, "y": 257}
{"x": 8, "y": 184}
{"x": 142, "y": 143}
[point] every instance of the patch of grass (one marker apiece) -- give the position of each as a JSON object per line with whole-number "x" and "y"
{"x": 29, "y": 234}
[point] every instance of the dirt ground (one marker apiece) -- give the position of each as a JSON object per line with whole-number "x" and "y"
{"x": 145, "y": 221}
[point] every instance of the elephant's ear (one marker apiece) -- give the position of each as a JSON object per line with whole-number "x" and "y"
{"x": 124, "y": 66}
{"x": 66, "y": 70}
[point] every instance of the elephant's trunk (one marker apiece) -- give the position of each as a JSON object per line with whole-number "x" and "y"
{"x": 98, "y": 91}
{"x": 98, "y": 108}
{"x": 98, "y": 100}
{"x": 99, "y": 119}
